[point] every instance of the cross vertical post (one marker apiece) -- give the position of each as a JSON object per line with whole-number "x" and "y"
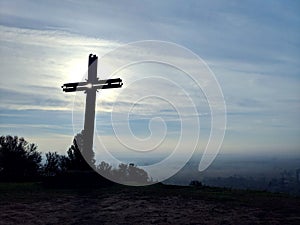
{"x": 89, "y": 119}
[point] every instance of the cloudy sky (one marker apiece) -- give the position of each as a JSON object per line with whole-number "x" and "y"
{"x": 252, "y": 47}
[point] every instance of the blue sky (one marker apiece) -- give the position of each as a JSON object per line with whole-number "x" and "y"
{"x": 253, "y": 48}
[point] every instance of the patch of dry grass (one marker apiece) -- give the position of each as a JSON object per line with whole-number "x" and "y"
{"x": 159, "y": 204}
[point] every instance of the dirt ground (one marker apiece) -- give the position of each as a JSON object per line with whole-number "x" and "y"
{"x": 143, "y": 206}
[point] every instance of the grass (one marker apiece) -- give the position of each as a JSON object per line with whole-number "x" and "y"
{"x": 158, "y": 190}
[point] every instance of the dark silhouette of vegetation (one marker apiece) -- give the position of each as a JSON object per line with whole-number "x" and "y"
{"x": 105, "y": 169}
{"x": 75, "y": 159}
{"x": 73, "y": 169}
{"x": 55, "y": 164}
{"x": 126, "y": 174}
{"x": 18, "y": 158}
{"x": 196, "y": 183}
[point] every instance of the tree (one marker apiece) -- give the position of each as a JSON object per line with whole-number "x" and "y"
{"x": 104, "y": 169}
{"x": 75, "y": 159}
{"x": 195, "y": 183}
{"x": 124, "y": 173}
{"x": 18, "y": 158}
{"x": 138, "y": 175}
{"x": 55, "y": 164}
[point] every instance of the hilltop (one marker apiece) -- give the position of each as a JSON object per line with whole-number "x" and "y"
{"x": 32, "y": 203}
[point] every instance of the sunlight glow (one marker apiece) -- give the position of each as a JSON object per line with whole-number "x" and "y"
{"x": 76, "y": 69}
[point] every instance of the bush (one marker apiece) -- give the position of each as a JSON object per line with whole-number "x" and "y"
{"x": 18, "y": 158}
{"x": 55, "y": 164}
{"x": 195, "y": 183}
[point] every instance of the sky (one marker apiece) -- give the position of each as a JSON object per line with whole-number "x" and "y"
{"x": 252, "y": 48}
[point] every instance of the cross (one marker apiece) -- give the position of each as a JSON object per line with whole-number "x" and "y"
{"x": 90, "y": 87}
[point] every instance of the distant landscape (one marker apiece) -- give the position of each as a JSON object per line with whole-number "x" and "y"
{"x": 279, "y": 174}
{"x": 271, "y": 173}
{"x": 276, "y": 173}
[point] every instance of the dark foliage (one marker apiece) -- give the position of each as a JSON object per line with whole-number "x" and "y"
{"x": 55, "y": 164}
{"x": 76, "y": 161}
{"x": 89, "y": 154}
{"x": 195, "y": 183}
{"x": 128, "y": 174}
{"x": 18, "y": 158}
{"x": 105, "y": 169}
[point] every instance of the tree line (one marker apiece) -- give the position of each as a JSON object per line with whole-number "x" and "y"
{"x": 21, "y": 160}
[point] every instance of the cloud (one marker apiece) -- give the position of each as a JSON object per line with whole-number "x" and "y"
{"x": 253, "y": 48}
{"x": 34, "y": 64}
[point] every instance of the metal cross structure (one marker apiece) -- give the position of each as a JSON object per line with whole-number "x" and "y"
{"x": 90, "y": 87}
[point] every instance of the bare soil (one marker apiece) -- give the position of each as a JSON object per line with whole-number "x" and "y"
{"x": 159, "y": 204}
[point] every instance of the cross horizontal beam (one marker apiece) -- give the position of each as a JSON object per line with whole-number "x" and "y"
{"x": 100, "y": 84}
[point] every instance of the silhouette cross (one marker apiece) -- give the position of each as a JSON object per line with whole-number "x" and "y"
{"x": 90, "y": 87}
